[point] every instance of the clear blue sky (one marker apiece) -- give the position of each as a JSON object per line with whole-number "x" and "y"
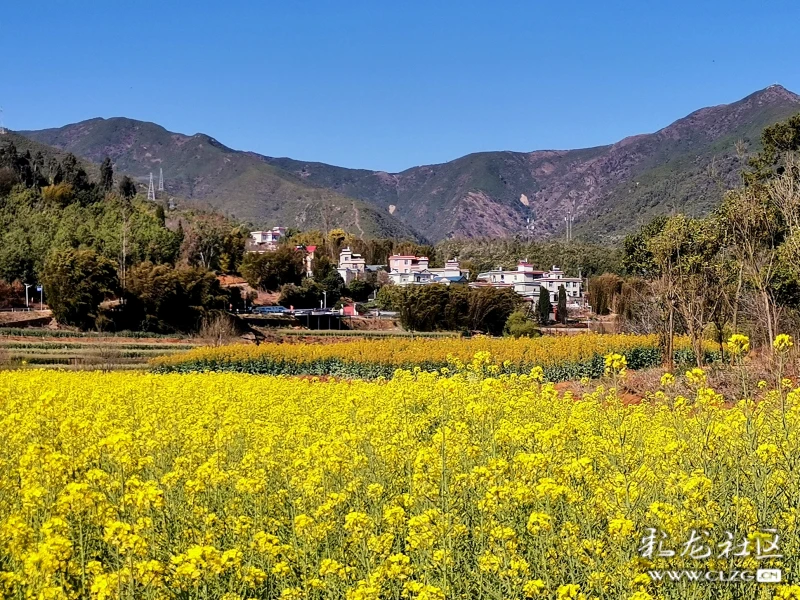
{"x": 388, "y": 85}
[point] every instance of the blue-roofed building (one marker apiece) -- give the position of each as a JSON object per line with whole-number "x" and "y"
{"x": 452, "y": 280}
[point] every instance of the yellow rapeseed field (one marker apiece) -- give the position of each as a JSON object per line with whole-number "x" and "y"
{"x": 562, "y": 358}
{"x": 472, "y": 486}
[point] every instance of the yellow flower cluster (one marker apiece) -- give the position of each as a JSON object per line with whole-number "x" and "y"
{"x": 783, "y": 342}
{"x": 132, "y": 485}
{"x": 616, "y": 365}
{"x": 739, "y": 344}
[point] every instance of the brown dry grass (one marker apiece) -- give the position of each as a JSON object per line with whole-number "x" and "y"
{"x": 9, "y": 317}
{"x": 730, "y": 381}
{"x": 218, "y": 330}
{"x": 725, "y": 379}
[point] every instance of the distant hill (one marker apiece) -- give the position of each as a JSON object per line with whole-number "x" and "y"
{"x": 614, "y": 188}
{"x": 683, "y": 167}
{"x": 239, "y": 184}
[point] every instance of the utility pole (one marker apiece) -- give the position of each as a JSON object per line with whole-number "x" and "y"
{"x": 27, "y": 285}
{"x": 124, "y": 258}
{"x": 151, "y": 191}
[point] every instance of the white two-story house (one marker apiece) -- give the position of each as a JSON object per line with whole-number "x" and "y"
{"x": 351, "y": 266}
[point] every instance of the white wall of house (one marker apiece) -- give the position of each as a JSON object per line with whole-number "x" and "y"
{"x": 411, "y": 278}
{"x": 349, "y": 260}
{"x": 347, "y": 275}
{"x": 269, "y": 238}
{"x": 526, "y": 281}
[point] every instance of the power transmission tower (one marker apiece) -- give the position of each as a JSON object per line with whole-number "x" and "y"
{"x": 568, "y": 225}
{"x": 151, "y": 192}
{"x": 569, "y": 220}
{"x": 530, "y": 224}
{"x": 160, "y": 179}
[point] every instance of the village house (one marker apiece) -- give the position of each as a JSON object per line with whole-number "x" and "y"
{"x": 351, "y": 266}
{"x": 451, "y": 271}
{"x": 555, "y": 278}
{"x": 411, "y": 278}
{"x": 407, "y": 263}
{"x": 408, "y": 270}
{"x": 526, "y": 281}
{"x": 265, "y": 241}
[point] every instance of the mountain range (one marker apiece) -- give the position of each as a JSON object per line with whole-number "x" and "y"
{"x": 609, "y": 189}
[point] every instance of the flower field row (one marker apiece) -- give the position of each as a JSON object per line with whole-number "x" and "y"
{"x": 209, "y": 485}
{"x": 562, "y": 358}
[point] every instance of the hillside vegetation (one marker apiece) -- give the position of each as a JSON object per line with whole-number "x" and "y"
{"x": 88, "y": 241}
{"x": 239, "y": 184}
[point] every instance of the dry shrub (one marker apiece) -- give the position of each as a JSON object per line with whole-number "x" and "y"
{"x": 723, "y": 378}
{"x": 110, "y": 357}
{"x": 218, "y": 329}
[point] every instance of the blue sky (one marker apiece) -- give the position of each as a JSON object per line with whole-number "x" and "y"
{"x": 389, "y": 85}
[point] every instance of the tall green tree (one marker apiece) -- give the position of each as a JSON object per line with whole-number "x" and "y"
{"x": 753, "y": 234}
{"x": 106, "y": 175}
{"x": 638, "y": 261}
{"x": 271, "y": 270}
{"x": 127, "y": 188}
{"x": 208, "y": 240}
{"x": 777, "y": 141}
{"x": 233, "y": 249}
{"x": 687, "y": 252}
{"x": 75, "y": 283}
{"x": 562, "y": 304}
{"x": 544, "y": 307}
{"x": 489, "y": 308}
{"x": 74, "y": 173}
{"x": 162, "y": 298}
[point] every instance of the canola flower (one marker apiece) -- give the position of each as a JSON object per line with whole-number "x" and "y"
{"x": 467, "y": 485}
{"x": 616, "y": 365}
{"x": 783, "y": 342}
{"x": 739, "y": 344}
{"x": 561, "y": 358}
